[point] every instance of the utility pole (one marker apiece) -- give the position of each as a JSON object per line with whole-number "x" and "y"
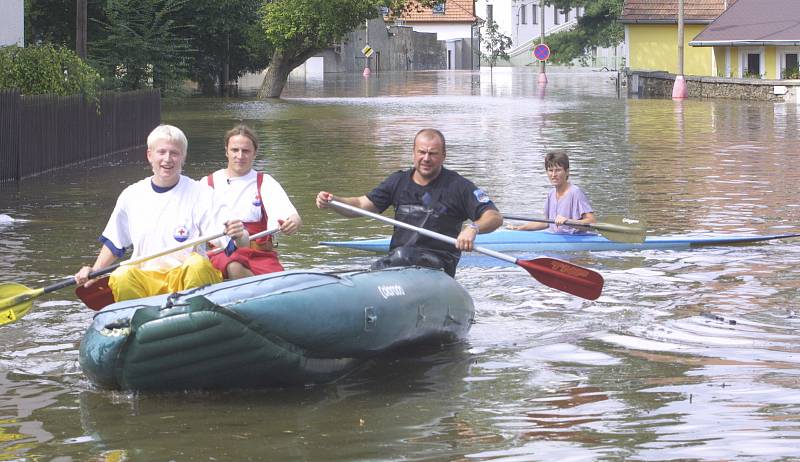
{"x": 679, "y": 90}
{"x": 80, "y": 28}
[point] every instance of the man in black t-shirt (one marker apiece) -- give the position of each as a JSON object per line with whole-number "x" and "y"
{"x": 427, "y": 196}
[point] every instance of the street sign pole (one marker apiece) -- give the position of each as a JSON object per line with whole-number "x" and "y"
{"x": 542, "y": 75}
{"x": 366, "y": 49}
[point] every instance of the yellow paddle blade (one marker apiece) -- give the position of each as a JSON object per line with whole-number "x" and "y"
{"x": 15, "y": 301}
{"x": 621, "y": 229}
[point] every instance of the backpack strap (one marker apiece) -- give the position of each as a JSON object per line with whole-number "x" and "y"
{"x": 210, "y": 180}
{"x": 259, "y": 182}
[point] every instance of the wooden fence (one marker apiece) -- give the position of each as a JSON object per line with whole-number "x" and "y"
{"x": 44, "y": 132}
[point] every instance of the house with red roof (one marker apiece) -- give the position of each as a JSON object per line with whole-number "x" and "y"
{"x": 454, "y": 22}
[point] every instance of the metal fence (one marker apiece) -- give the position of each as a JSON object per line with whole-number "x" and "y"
{"x": 44, "y": 132}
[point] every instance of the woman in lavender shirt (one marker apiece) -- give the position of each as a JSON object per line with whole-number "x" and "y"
{"x": 565, "y": 202}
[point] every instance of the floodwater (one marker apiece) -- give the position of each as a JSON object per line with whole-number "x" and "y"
{"x": 688, "y": 355}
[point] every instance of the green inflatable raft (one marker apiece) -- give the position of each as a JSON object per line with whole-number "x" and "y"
{"x": 281, "y": 329}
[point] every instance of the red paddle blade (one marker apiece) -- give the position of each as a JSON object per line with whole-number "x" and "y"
{"x": 564, "y": 276}
{"x": 97, "y": 296}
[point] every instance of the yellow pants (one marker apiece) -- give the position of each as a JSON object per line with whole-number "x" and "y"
{"x": 128, "y": 283}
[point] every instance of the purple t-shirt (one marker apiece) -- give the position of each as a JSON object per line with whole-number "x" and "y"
{"x": 572, "y": 205}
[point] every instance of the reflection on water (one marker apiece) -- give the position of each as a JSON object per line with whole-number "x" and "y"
{"x": 688, "y": 355}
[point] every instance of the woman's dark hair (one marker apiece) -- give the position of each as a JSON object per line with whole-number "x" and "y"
{"x": 556, "y": 158}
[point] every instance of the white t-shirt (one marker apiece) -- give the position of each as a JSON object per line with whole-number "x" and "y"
{"x": 152, "y": 222}
{"x": 238, "y": 196}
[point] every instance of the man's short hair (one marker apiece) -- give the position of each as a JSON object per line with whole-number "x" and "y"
{"x": 429, "y": 132}
{"x": 168, "y": 133}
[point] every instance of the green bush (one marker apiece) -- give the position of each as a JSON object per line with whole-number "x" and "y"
{"x": 791, "y": 73}
{"x": 46, "y": 69}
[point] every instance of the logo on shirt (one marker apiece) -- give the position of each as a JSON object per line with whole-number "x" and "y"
{"x": 257, "y": 201}
{"x": 180, "y": 234}
{"x": 481, "y": 196}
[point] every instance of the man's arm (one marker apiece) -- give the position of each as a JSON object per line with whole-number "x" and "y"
{"x": 104, "y": 259}
{"x": 489, "y": 221}
{"x": 362, "y": 202}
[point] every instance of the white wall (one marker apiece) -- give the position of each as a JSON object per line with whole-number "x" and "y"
{"x": 12, "y": 22}
{"x": 506, "y": 13}
{"x": 501, "y": 12}
{"x": 443, "y": 31}
{"x": 525, "y": 29}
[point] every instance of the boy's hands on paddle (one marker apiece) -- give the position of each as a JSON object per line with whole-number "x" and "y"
{"x": 290, "y": 225}
{"x": 323, "y": 198}
{"x": 82, "y": 276}
{"x": 104, "y": 258}
{"x": 235, "y": 230}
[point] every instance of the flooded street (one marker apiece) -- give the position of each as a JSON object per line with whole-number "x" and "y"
{"x": 687, "y": 355}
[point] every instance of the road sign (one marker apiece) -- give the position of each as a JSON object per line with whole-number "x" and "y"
{"x": 367, "y": 50}
{"x": 541, "y": 52}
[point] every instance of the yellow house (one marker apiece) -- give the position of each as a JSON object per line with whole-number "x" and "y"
{"x": 754, "y": 38}
{"x": 651, "y": 33}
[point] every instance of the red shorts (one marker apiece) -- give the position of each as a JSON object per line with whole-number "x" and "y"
{"x": 257, "y": 261}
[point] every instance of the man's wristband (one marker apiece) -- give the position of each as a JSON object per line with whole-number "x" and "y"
{"x": 473, "y": 226}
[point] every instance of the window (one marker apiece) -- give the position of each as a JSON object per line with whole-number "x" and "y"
{"x": 555, "y": 15}
{"x": 791, "y": 66}
{"x": 751, "y": 62}
{"x": 566, "y": 14}
{"x": 489, "y": 13}
{"x": 438, "y": 8}
{"x": 534, "y": 15}
{"x": 753, "y": 65}
{"x": 522, "y": 13}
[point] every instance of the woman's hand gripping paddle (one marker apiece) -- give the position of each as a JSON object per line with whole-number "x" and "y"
{"x": 551, "y": 272}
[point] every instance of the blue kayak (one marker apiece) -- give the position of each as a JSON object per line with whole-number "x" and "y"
{"x": 543, "y": 241}
{"x": 287, "y": 328}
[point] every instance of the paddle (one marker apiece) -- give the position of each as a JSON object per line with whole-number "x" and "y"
{"x": 16, "y": 299}
{"x": 99, "y": 295}
{"x": 557, "y": 274}
{"x": 614, "y": 227}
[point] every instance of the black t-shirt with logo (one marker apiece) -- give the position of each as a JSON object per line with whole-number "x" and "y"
{"x": 441, "y": 206}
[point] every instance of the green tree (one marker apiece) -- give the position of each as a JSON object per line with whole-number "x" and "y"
{"x": 227, "y": 40}
{"x": 496, "y": 43}
{"x": 299, "y": 29}
{"x": 597, "y": 27}
{"x": 46, "y": 69}
{"x": 143, "y": 47}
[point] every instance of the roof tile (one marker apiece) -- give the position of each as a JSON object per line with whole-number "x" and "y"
{"x": 454, "y": 11}
{"x": 667, "y": 10}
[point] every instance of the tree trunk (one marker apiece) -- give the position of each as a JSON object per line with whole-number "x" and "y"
{"x": 80, "y": 28}
{"x": 282, "y": 63}
{"x": 277, "y": 73}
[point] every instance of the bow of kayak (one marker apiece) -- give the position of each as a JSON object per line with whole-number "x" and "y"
{"x": 542, "y": 241}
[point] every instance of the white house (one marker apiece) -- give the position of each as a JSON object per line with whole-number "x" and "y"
{"x": 521, "y": 20}
{"x": 12, "y": 22}
{"x": 454, "y": 22}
